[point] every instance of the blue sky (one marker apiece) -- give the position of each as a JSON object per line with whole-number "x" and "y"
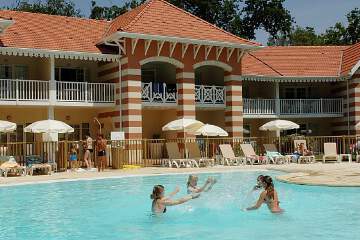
{"x": 320, "y": 14}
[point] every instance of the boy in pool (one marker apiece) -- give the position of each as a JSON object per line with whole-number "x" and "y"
{"x": 193, "y": 188}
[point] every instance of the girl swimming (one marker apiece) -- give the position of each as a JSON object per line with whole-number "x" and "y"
{"x": 193, "y": 188}
{"x": 268, "y": 196}
{"x": 259, "y": 182}
{"x": 160, "y": 201}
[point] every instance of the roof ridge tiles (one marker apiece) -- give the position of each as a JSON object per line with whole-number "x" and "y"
{"x": 54, "y": 16}
{"x": 139, "y": 15}
{"x": 202, "y": 20}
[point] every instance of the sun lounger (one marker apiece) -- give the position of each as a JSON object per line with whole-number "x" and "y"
{"x": 228, "y": 155}
{"x": 251, "y": 156}
{"x": 194, "y": 153}
{"x": 306, "y": 159}
{"x": 175, "y": 158}
{"x": 8, "y": 165}
{"x": 35, "y": 162}
{"x": 274, "y": 156}
{"x": 330, "y": 152}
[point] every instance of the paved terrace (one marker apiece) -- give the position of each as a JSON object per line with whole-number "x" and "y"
{"x": 343, "y": 174}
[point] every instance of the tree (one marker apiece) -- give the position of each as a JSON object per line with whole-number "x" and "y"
{"x": 267, "y": 14}
{"x": 53, "y": 7}
{"x": 353, "y": 30}
{"x": 109, "y": 13}
{"x": 335, "y": 35}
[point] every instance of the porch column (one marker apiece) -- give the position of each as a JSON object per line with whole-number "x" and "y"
{"x": 130, "y": 100}
{"x": 52, "y": 89}
{"x": 234, "y": 105}
{"x": 186, "y": 95}
{"x": 277, "y": 98}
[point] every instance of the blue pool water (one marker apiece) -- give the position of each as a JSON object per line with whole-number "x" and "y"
{"x": 120, "y": 209}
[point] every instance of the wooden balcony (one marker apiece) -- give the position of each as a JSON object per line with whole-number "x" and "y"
{"x": 38, "y": 93}
{"x": 293, "y": 108}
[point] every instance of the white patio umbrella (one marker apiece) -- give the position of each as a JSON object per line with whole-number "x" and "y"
{"x": 6, "y": 126}
{"x": 48, "y": 126}
{"x": 279, "y": 125}
{"x": 211, "y": 131}
{"x": 183, "y": 124}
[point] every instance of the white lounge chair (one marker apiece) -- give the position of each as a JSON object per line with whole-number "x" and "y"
{"x": 330, "y": 152}
{"x": 175, "y": 158}
{"x": 306, "y": 159}
{"x": 251, "y": 156}
{"x": 274, "y": 156}
{"x": 195, "y": 154}
{"x": 228, "y": 155}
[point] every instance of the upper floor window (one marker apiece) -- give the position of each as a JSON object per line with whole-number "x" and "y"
{"x": 13, "y": 72}
{"x": 70, "y": 74}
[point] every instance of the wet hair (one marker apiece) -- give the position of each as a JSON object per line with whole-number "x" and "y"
{"x": 191, "y": 177}
{"x": 260, "y": 178}
{"x": 269, "y": 186}
{"x": 157, "y": 191}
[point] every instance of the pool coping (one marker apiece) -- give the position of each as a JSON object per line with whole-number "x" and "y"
{"x": 207, "y": 171}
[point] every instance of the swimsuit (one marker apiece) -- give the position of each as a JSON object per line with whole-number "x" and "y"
{"x": 73, "y": 157}
{"x": 101, "y": 153}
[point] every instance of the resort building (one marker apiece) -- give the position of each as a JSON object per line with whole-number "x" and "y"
{"x": 157, "y": 63}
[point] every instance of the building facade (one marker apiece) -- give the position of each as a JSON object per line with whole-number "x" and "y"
{"x": 158, "y": 63}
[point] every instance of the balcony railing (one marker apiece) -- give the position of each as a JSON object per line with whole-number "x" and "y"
{"x": 293, "y": 106}
{"x": 24, "y": 90}
{"x": 155, "y": 93}
{"x": 12, "y": 90}
{"x": 158, "y": 93}
{"x": 210, "y": 95}
{"x": 85, "y": 92}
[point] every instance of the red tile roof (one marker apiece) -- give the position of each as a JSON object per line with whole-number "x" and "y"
{"x": 351, "y": 57}
{"x": 158, "y": 17}
{"x": 42, "y": 31}
{"x": 294, "y": 61}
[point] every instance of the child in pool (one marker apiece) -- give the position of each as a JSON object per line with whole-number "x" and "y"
{"x": 160, "y": 201}
{"x": 193, "y": 188}
{"x": 268, "y": 196}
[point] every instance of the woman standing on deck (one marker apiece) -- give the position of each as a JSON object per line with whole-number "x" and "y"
{"x": 101, "y": 152}
{"x": 88, "y": 146}
{"x": 268, "y": 196}
{"x": 160, "y": 201}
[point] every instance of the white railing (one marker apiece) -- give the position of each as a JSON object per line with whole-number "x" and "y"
{"x": 158, "y": 93}
{"x": 293, "y": 106}
{"x": 23, "y": 90}
{"x": 101, "y": 93}
{"x": 210, "y": 95}
{"x": 85, "y": 92}
{"x": 35, "y": 90}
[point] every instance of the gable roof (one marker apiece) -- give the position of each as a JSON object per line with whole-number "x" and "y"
{"x": 351, "y": 58}
{"x": 294, "y": 61}
{"x": 43, "y": 31}
{"x": 158, "y": 17}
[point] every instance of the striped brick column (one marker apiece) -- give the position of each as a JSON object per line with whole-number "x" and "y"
{"x": 186, "y": 95}
{"x": 234, "y": 105}
{"x": 130, "y": 101}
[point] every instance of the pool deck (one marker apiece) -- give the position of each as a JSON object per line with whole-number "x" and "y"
{"x": 330, "y": 174}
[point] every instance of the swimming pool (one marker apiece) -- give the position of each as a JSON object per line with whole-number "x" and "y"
{"x": 120, "y": 209}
